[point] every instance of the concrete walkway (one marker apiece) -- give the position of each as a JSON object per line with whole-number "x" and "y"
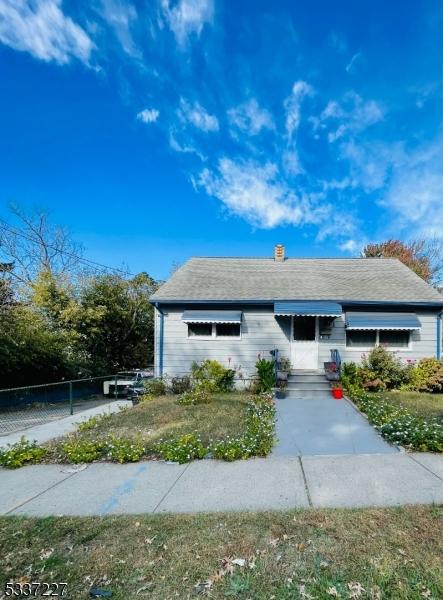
{"x": 208, "y": 485}
{"x": 321, "y": 425}
{"x": 62, "y": 426}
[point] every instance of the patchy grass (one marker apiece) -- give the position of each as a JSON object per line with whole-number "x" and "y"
{"x": 369, "y": 553}
{"x": 162, "y": 418}
{"x": 423, "y": 404}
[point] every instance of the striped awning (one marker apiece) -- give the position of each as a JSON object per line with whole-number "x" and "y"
{"x": 308, "y": 308}
{"x": 374, "y": 320}
{"x": 212, "y": 316}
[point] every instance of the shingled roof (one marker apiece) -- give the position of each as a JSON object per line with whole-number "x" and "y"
{"x": 264, "y": 279}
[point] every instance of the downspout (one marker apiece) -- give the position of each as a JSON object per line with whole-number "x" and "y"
{"x": 160, "y": 342}
{"x": 439, "y": 340}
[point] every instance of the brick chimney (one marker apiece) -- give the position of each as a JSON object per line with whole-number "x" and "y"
{"x": 279, "y": 253}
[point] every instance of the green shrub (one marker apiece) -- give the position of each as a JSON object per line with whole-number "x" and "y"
{"x": 21, "y": 453}
{"x": 199, "y": 394}
{"x": 82, "y": 451}
{"x": 93, "y": 422}
{"x": 266, "y": 375}
{"x": 382, "y": 369}
{"x": 155, "y": 386}
{"x": 259, "y": 436}
{"x": 427, "y": 376}
{"x": 399, "y": 425}
{"x": 230, "y": 449}
{"x": 182, "y": 450}
{"x": 124, "y": 450}
{"x": 180, "y": 385}
{"x": 221, "y": 378}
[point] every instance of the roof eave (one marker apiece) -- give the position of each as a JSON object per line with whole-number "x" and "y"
{"x": 423, "y": 303}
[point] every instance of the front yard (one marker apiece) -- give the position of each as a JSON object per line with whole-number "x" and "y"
{"x": 163, "y": 418}
{"x": 421, "y": 403}
{"x": 231, "y": 426}
{"x": 369, "y": 554}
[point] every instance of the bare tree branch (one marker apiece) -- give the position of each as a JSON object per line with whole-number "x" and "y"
{"x": 33, "y": 244}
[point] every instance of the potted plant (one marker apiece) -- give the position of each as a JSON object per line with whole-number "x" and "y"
{"x": 280, "y": 390}
{"x": 337, "y": 390}
{"x": 331, "y": 371}
{"x": 283, "y": 368}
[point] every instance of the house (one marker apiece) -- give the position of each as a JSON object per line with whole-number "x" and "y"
{"x": 232, "y": 309}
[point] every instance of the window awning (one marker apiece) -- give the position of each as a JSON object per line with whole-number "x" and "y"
{"x": 212, "y": 316}
{"x": 368, "y": 320}
{"x": 312, "y": 308}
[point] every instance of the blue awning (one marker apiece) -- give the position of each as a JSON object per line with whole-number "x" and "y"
{"x": 320, "y": 308}
{"x": 374, "y": 320}
{"x": 212, "y": 316}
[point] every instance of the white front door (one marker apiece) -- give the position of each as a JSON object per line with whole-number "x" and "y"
{"x": 304, "y": 343}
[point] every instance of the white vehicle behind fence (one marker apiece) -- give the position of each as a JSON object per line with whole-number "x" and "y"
{"x": 126, "y": 381}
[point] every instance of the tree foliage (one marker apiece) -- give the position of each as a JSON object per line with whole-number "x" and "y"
{"x": 58, "y": 322}
{"x": 424, "y": 257}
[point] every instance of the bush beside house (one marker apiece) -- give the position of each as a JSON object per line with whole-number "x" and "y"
{"x": 382, "y": 370}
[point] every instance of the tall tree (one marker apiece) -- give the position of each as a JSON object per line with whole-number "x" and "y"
{"x": 33, "y": 245}
{"x": 117, "y": 321}
{"x": 423, "y": 256}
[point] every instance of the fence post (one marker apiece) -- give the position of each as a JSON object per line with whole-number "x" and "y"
{"x": 71, "y": 406}
{"x": 115, "y": 388}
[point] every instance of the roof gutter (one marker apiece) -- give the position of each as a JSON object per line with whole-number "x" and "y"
{"x": 430, "y": 304}
{"x": 439, "y": 338}
{"x": 160, "y": 342}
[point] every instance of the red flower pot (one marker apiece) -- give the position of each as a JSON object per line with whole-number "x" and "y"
{"x": 337, "y": 393}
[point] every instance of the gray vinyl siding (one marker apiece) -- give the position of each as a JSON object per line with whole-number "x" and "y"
{"x": 423, "y": 341}
{"x": 262, "y": 332}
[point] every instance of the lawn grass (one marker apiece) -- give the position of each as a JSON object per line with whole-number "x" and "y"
{"x": 393, "y": 553}
{"x": 425, "y": 405}
{"x": 163, "y": 418}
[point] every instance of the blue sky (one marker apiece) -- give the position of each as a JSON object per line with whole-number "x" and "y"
{"x": 163, "y": 129}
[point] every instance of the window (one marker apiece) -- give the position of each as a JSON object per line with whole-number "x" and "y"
{"x": 361, "y": 339}
{"x": 227, "y": 329}
{"x": 199, "y": 329}
{"x": 394, "y": 339}
{"x": 369, "y": 339}
{"x": 214, "y": 330}
{"x": 304, "y": 329}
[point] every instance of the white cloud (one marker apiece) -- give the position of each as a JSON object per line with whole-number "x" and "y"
{"x": 259, "y": 195}
{"x": 185, "y": 147}
{"x": 187, "y": 17}
{"x": 120, "y": 16}
{"x": 292, "y": 104}
{"x": 253, "y": 193}
{"x": 352, "y": 64}
{"x": 350, "y": 246}
{"x": 41, "y": 28}
{"x": 369, "y": 163}
{"x": 250, "y": 118}
{"x": 148, "y": 115}
{"x": 415, "y": 192}
{"x": 197, "y": 116}
{"x": 349, "y": 117}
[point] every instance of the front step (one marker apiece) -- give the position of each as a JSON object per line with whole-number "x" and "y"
{"x": 307, "y": 378}
{"x": 309, "y": 388}
{"x": 300, "y": 395}
{"x": 312, "y": 383}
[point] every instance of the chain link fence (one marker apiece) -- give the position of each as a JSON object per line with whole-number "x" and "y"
{"x": 24, "y": 407}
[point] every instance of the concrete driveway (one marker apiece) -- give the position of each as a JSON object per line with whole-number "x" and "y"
{"x": 321, "y": 425}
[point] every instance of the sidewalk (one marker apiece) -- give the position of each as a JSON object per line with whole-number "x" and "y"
{"x": 53, "y": 429}
{"x": 212, "y": 486}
